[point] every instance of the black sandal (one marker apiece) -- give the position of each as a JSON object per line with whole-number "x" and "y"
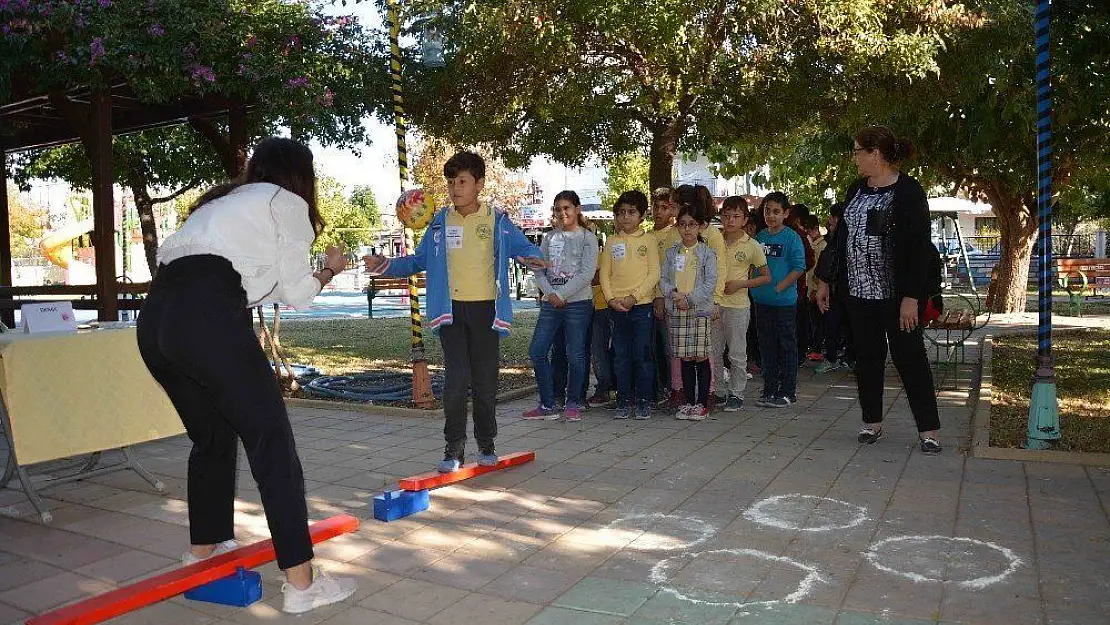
{"x": 868, "y": 435}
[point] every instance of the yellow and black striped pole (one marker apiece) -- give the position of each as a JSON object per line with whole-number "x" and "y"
{"x": 421, "y": 382}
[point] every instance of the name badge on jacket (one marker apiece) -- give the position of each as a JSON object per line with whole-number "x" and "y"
{"x": 772, "y": 250}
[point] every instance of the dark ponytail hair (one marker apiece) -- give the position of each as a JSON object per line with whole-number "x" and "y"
{"x": 893, "y": 149}
{"x": 572, "y": 197}
{"x": 695, "y": 209}
{"x": 283, "y": 162}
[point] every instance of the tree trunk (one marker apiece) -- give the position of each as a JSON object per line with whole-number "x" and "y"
{"x": 144, "y": 205}
{"x": 664, "y": 144}
{"x": 1017, "y": 225}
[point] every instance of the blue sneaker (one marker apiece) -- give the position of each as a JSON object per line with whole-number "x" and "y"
{"x": 449, "y": 464}
{"x": 487, "y": 458}
{"x": 643, "y": 412}
{"x": 764, "y": 401}
{"x": 622, "y": 411}
{"x": 778, "y": 402}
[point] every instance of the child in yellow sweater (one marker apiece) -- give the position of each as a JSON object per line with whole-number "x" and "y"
{"x": 629, "y": 268}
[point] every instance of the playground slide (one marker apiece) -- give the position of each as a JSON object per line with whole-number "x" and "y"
{"x": 56, "y": 245}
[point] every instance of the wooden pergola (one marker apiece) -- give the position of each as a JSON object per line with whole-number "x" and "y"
{"x": 93, "y": 116}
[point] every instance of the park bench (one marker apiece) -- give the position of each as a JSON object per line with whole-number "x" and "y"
{"x": 1077, "y": 276}
{"x": 380, "y": 284}
{"x": 950, "y": 333}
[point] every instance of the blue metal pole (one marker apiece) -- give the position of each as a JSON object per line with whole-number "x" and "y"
{"x": 1044, "y": 414}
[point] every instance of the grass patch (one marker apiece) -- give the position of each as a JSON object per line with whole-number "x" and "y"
{"x": 1082, "y": 389}
{"x": 345, "y": 346}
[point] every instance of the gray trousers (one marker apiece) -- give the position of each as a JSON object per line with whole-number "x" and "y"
{"x": 731, "y": 329}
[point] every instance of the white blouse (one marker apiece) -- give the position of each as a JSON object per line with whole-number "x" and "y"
{"x": 265, "y": 232}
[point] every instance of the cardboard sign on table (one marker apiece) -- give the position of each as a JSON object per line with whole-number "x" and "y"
{"x": 48, "y": 317}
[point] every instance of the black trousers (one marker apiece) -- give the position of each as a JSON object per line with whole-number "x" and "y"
{"x": 874, "y": 325}
{"x": 195, "y": 336}
{"x": 471, "y": 359}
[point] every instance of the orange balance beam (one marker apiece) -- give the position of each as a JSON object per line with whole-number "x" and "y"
{"x": 465, "y": 472}
{"x": 166, "y": 585}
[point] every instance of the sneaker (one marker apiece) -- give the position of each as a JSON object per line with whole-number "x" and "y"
{"x": 777, "y": 402}
{"x": 622, "y": 411}
{"x": 683, "y": 412}
{"x": 698, "y": 413}
{"x": 487, "y": 458}
{"x": 790, "y": 400}
{"x": 677, "y": 400}
{"x": 325, "y": 590}
{"x": 560, "y": 404}
{"x": 643, "y": 412}
{"x": 764, "y": 401}
{"x": 449, "y": 464}
{"x": 188, "y": 558}
{"x": 572, "y": 412}
{"x": 869, "y": 434}
{"x": 828, "y": 366}
{"x": 733, "y": 403}
{"x": 539, "y": 413}
{"x": 749, "y": 374}
{"x": 599, "y": 399}
{"x": 815, "y": 357}
{"x": 850, "y": 366}
{"x": 930, "y": 445}
{"x": 718, "y": 400}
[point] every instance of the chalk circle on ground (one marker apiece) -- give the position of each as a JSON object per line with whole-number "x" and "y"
{"x": 660, "y": 532}
{"x": 715, "y": 577}
{"x": 806, "y": 513}
{"x": 966, "y": 562}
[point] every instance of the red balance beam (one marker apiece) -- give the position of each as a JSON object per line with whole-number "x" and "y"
{"x": 161, "y": 587}
{"x": 465, "y": 472}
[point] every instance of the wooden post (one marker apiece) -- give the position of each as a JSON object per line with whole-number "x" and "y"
{"x": 7, "y": 315}
{"x": 104, "y": 214}
{"x": 237, "y": 136}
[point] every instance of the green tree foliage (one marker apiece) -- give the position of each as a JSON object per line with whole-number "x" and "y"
{"x": 504, "y": 188}
{"x": 363, "y": 198}
{"x": 578, "y": 78}
{"x": 26, "y": 223}
{"x": 627, "y": 172}
{"x": 291, "y": 65}
{"x": 974, "y": 124}
{"x": 347, "y": 223}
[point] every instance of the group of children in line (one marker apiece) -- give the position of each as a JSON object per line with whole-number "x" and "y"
{"x": 659, "y": 313}
{"x": 676, "y": 305}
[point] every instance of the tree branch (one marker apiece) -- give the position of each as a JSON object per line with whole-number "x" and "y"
{"x": 219, "y": 142}
{"x": 176, "y": 194}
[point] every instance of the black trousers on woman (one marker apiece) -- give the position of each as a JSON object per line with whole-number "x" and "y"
{"x": 195, "y": 336}
{"x": 875, "y": 323}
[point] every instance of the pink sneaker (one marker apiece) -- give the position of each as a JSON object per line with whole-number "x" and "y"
{"x": 539, "y": 413}
{"x": 683, "y": 412}
{"x": 572, "y": 412}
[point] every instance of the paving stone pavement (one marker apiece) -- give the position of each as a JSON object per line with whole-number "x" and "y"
{"x": 759, "y": 516}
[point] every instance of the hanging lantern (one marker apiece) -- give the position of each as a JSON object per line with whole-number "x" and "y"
{"x": 431, "y": 46}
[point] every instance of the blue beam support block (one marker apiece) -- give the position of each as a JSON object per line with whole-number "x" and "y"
{"x": 240, "y": 590}
{"x": 398, "y": 504}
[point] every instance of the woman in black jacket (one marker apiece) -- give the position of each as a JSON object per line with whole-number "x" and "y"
{"x": 880, "y": 259}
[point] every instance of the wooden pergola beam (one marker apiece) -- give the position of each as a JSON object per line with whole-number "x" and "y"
{"x": 104, "y": 214}
{"x": 6, "y": 316}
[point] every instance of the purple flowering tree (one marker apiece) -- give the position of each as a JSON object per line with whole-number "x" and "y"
{"x": 286, "y": 63}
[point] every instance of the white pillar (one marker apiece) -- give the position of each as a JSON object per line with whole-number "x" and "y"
{"x": 1100, "y": 244}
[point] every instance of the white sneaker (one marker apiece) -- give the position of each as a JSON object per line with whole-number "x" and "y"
{"x": 325, "y": 590}
{"x": 188, "y": 558}
{"x": 684, "y": 412}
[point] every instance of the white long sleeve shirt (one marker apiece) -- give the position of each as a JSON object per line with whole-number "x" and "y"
{"x": 265, "y": 232}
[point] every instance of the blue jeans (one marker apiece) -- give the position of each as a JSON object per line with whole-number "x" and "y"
{"x": 633, "y": 358}
{"x": 574, "y": 320}
{"x": 559, "y": 365}
{"x": 602, "y": 352}
{"x": 778, "y": 348}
